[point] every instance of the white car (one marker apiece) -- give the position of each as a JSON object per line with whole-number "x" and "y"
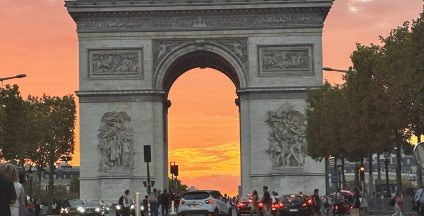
{"x": 203, "y": 202}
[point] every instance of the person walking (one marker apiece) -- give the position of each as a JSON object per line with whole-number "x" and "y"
{"x": 363, "y": 208}
{"x": 165, "y": 203}
{"x": 10, "y": 173}
{"x": 146, "y": 206}
{"x": 419, "y": 201}
{"x": 153, "y": 200}
{"x": 317, "y": 202}
{"x": 254, "y": 204}
{"x": 7, "y": 194}
{"x": 126, "y": 202}
{"x": 267, "y": 201}
{"x": 356, "y": 203}
{"x": 398, "y": 204}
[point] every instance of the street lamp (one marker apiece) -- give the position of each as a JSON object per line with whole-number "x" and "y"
{"x": 337, "y": 70}
{"x": 386, "y": 161}
{"x": 12, "y": 77}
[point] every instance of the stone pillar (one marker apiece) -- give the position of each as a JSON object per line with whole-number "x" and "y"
{"x": 273, "y": 144}
{"x": 123, "y": 121}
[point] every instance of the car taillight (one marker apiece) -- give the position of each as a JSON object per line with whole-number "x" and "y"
{"x": 182, "y": 202}
{"x": 261, "y": 205}
{"x": 240, "y": 205}
{"x": 281, "y": 205}
{"x": 209, "y": 201}
{"x": 309, "y": 201}
{"x": 304, "y": 205}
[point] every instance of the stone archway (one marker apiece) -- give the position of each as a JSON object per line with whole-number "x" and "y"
{"x": 132, "y": 51}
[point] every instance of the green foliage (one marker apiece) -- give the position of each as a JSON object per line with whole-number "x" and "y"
{"x": 181, "y": 188}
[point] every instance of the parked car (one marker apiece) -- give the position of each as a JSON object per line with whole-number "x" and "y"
{"x": 209, "y": 202}
{"x": 70, "y": 207}
{"x": 244, "y": 205}
{"x": 293, "y": 204}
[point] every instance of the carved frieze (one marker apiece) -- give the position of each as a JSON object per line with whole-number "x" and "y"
{"x": 237, "y": 47}
{"x": 116, "y": 143}
{"x": 285, "y": 60}
{"x": 287, "y": 137}
{"x": 206, "y": 20}
{"x": 115, "y": 64}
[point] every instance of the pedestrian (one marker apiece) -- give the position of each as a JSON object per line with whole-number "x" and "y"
{"x": 254, "y": 203}
{"x": 317, "y": 202}
{"x": 146, "y": 206}
{"x": 398, "y": 204}
{"x": 356, "y": 203}
{"x": 126, "y": 202}
{"x": 153, "y": 200}
{"x": 165, "y": 203}
{"x": 159, "y": 202}
{"x": 363, "y": 208}
{"x": 37, "y": 208}
{"x": 267, "y": 201}
{"x": 7, "y": 194}
{"x": 10, "y": 173}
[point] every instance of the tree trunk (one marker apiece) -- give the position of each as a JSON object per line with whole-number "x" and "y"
{"x": 370, "y": 176}
{"x": 327, "y": 186}
{"x": 51, "y": 184}
{"x": 343, "y": 173}
{"x": 398, "y": 166}
{"x": 419, "y": 168}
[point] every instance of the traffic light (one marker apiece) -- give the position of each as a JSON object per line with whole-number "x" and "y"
{"x": 172, "y": 168}
{"x": 361, "y": 172}
{"x": 176, "y": 170}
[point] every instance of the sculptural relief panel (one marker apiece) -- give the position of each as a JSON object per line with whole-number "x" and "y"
{"x": 287, "y": 139}
{"x": 115, "y": 64}
{"x": 285, "y": 60}
{"x": 116, "y": 143}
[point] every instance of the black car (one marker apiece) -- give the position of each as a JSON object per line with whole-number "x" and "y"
{"x": 91, "y": 208}
{"x": 244, "y": 205}
{"x": 70, "y": 207}
{"x": 293, "y": 204}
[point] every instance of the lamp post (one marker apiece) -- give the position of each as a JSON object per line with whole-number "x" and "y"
{"x": 386, "y": 161}
{"x": 12, "y": 77}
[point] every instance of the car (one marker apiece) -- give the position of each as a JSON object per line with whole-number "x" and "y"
{"x": 205, "y": 202}
{"x": 244, "y": 205}
{"x": 91, "y": 208}
{"x": 293, "y": 204}
{"x": 70, "y": 207}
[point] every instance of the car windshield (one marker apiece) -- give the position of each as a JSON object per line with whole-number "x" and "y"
{"x": 196, "y": 195}
{"x": 75, "y": 202}
{"x": 291, "y": 199}
{"x": 92, "y": 203}
{"x": 244, "y": 199}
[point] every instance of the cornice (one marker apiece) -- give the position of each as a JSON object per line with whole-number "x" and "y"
{"x": 192, "y": 20}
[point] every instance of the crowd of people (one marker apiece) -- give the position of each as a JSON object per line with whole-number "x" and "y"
{"x": 157, "y": 201}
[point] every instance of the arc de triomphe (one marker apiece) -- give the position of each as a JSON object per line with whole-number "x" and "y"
{"x": 131, "y": 52}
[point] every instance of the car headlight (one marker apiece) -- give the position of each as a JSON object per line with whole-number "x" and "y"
{"x": 118, "y": 207}
{"x": 107, "y": 208}
{"x": 132, "y": 207}
{"x": 142, "y": 208}
{"x": 97, "y": 209}
{"x": 64, "y": 210}
{"x": 82, "y": 210}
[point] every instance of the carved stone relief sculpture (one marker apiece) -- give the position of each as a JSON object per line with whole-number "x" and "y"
{"x": 287, "y": 137}
{"x": 116, "y": 143}
{"x": 277, "y": 60}
{"x": 115, "y": 63}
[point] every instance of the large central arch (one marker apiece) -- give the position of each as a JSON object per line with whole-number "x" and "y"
{"x": 132, "y": 51}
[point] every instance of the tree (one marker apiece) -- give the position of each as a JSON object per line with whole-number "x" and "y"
{"x": 15, "y": 127}
{"x": 56, "y": 121}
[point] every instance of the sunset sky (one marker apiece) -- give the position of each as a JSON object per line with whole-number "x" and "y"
{"x": 38, "y": 38}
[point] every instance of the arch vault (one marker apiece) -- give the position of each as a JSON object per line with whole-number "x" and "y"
{"x": 131, "y": 52}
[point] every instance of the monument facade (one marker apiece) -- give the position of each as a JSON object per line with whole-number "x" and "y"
{"x": 132, "y": 51}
